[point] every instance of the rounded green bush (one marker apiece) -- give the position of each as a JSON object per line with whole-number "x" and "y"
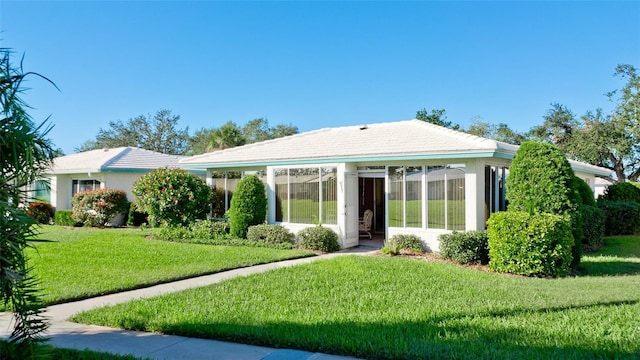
{"x": 171, "y": 197}
{"x": 248, "y": 205}
{"x": 64, "y": 218}
{"x": 399, "y": 242}
{"x": 584, "y": 191}
{"x": 270, "y": 233}
{"x": 541, "y": 181}
{"x": 530, "y": 244}
{"x": 467, "y": 247}
{"x": 621, "y": 217}
{"x": 99, "y": 207}
{"x": 318, "y": 238}
{"x": 624, "y": 191}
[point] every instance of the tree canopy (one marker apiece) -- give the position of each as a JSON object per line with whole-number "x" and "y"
{"x": 157, "y": 133}
{"x": 610, "y": 140}
{"x": 231, "y": 135}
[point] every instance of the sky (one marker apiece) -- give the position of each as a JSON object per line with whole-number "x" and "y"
{"x": 315, "y": 64}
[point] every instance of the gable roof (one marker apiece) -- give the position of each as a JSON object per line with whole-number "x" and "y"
{"x": 121, "y": 159}
{"x": 401, "y": 140}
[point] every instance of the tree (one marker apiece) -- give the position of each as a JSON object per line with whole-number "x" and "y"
{"x": 437, "y": 117}
{"x": 231, "y": 135}
{"x": 609, "y": 140}
{"x": 227, "y": 136}
{"x": 25, "y": 152}
{"x": 500, "y": 132}
{"x": 157, "y": 133}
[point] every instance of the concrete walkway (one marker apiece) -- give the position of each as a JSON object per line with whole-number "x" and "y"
{"x": 66, "y": 334}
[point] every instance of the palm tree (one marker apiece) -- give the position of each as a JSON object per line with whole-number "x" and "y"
{"x": 24, "y": 154}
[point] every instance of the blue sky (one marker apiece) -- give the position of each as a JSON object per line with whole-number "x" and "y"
{"x": 315, "y": 64}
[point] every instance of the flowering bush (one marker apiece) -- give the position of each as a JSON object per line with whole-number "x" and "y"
{"x": 171, "y": 197}
{"x": 98, "y": 207}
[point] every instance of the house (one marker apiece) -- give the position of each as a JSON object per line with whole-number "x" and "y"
{"x": 115, "y": 168}
{"x": 416, "y": 177}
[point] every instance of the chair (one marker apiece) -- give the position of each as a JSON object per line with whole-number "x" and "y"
{"x": 364, "y": 225}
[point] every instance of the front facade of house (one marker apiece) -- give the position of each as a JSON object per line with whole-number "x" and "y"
{"x": 416, "y": 177}
{"x": 116, "y": 168}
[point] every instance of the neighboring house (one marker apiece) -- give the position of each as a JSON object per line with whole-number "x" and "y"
{"x": 600, "y": 185}
{"x": 417, "y": 178}
{"x": 116, "y": 168}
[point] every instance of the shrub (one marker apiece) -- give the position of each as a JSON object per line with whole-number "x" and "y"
{"x": 41, "y": 211}
{"x": 400, "y": 243}
{"x": 99, "y": 207}
{"x": 530, "y": 244}
{"x": 593, "y": 228}
{"x": 622, "y": 218}
{"x": 136, "y": 218}
{"x": 584, "y": 191}
{"x": 248, "y": 205}
{"x": 541, "y": 181}
{"x": 63, "y": 218}
{"x": 208, "y": 229}
{"x": 171, "y": 197}
{"x": 624, "y": 191}
{"x": 270, "y": 233}
{"x": 468, "y": 247}
{"x": 318, "y": 238}
{"x": 174, "y": 233}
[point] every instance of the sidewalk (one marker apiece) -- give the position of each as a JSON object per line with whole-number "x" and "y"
{"x": 66, "y": 334}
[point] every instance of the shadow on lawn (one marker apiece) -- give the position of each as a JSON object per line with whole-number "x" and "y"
{"x": 609, "y": 268}
{"x": 461, "y": 336}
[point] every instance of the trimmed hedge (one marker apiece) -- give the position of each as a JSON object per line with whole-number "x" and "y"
{"x": 270, "y": 233}
{"x": 248, "y": 206}
{"x": 530, "y": 244}
{"x": 41, "y": 211}
{"x": 403, "y": 242}
{"x": 318, "y": 238}
{"x": 593, "y": 227}
{"x": 621, "y": 192}
{"x": 63, "y": 218}
{"x": 541, "y": 181}
{"x": 468, "y": 247}
{"x": 622, "y": 218}
{"x": 99, "y": 207}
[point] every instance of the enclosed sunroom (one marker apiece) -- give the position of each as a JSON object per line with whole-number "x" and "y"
{"x": 413, "y": 177}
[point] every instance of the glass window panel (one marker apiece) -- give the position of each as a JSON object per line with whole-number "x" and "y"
{"x": 78, "y": 186}
{"x": 219, "y": 194}
{"x": 436, "y": 197}
{"x": 282, "y": 195}
{"x": 396, "y": 196}
{"x": 304, "y": 195}
{"x": 329, "y": 196}
{"x": 413, "y": 196}
{"x": 455, "y": 197}
{"x": 42, "y": 190}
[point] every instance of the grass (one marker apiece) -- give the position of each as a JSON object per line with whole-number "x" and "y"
{"x": 399, "y": 308}
{"x": 77, "y": 263}
{"x": 53, "y": 353}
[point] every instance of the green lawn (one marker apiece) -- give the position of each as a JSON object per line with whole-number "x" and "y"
{"x": 75, "y": 263}
{"x": 399, "y": 308}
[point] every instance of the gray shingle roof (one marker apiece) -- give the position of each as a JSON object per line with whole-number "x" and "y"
{"x": 115, "y": 159}
{"x": 382, "y": 141}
